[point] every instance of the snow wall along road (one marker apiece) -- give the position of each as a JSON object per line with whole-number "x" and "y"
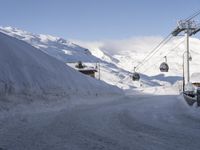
{"x": 25, "y": 70}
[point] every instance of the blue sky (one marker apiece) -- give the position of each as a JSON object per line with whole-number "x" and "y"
{"x": 96, "y": 19}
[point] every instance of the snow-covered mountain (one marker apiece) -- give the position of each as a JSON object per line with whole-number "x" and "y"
{"x": 26, "y": 70}
{"x": 116, "y": 67}
{"x": 131, "y": 52}
{"x": 54, "y": 46}
{"x": 69, "y": 52}
{"x": 174, "y": 50}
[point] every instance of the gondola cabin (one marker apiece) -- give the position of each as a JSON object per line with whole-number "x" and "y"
{"x": 164, "y": 67}
{"x": 136, "y": 76}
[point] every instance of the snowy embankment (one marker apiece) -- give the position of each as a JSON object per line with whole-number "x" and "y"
{"x": 68, "y": 52}
{"x": 139, "y": 122}
{"x": 28, "y": 72}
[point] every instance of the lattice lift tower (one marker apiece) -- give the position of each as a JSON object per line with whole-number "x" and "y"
{"x": 189, "y": 27}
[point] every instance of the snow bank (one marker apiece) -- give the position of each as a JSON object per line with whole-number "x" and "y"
{"x": 26, "y": 70}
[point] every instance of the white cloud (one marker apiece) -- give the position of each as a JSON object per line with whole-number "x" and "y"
{"x": 114, "y": 47}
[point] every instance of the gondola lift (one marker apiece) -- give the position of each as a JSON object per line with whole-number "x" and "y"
{"x": 164, "y": 66}
{"x": 136, "y": 75}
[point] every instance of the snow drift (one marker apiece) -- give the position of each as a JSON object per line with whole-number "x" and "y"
{"x": 26, "y": 70}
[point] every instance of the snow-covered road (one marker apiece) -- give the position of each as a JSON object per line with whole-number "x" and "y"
{"x": 135, "y": 122}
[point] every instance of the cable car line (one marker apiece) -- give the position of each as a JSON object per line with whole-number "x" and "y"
{"x": 164, "y": 67}
{"x": 193, "y": 16}
{"x": 183, "y": 25}
{"x": 163, "y": 42}
{"x": 167, "y": 54}
{"x": 155, "y": 50}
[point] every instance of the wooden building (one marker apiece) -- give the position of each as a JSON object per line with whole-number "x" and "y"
{"x": 89, "y": 72}
{"x": 86, "y": 70}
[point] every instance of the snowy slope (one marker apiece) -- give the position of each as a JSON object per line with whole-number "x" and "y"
{"x": 26, "y": 70}
{"x": 54, "y": 46}
{"x": 68, "y": 52}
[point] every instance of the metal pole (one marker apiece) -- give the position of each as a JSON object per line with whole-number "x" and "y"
{"x": 188, "y": 56}
{"x": 99, "y": 71}
{"x": 183, "y": 73}
{"x": 198, "y": 97}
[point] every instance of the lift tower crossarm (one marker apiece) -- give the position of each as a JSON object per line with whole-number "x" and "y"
{"x": 177, "y": 31}
{"x": 190, "y": 28}
{"x": 195, "y": 31}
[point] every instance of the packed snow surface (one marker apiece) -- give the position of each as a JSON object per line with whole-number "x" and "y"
{"x": 136, "y": 121}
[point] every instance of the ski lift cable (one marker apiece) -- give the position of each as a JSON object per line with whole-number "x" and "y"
{"x": 175, "y": 47}
{"x": 162, "y": 43}
{"x": 157, "y": 50}
{"x": 159, "y": 47}
{"x": 193, "y": 16}
{"x": 172, "y": 50}
{"x": 154, "y": 49}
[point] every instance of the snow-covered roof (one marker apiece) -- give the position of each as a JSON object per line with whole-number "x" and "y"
{"x": 89, "y": 66}
{"x": 195, "y": 77}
